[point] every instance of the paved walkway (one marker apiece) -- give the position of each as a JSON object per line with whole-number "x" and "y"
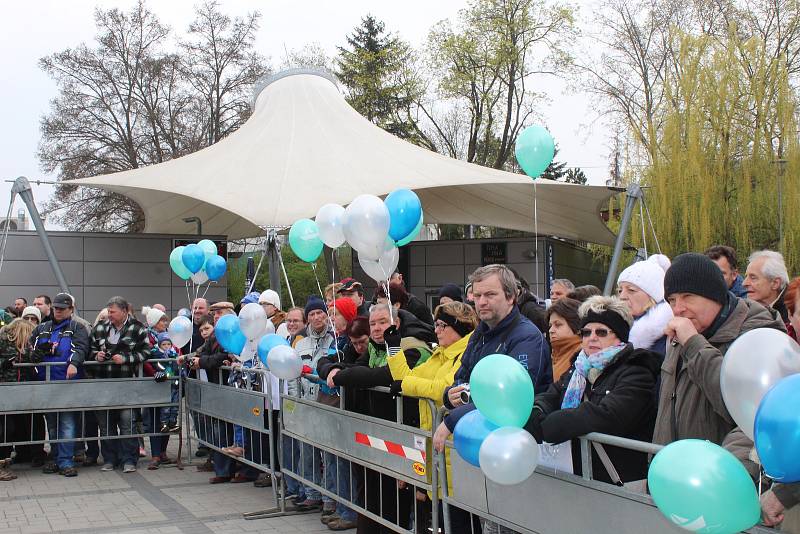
{"x": 165, "y": 501}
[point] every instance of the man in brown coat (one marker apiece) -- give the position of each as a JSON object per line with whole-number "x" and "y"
{"x": 708, "y": 318}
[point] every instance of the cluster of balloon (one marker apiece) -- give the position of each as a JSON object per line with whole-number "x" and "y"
{"x": 535, "y": 150}
{"x": 240, "y": 335}
{"x": 373, "y": 227}
{"x": 198, "y": 261}
{"x": 701, "y": 487}
{"x": 492, "y": 436}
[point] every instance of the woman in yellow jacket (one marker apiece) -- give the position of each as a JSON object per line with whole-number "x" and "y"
{"x": 454, "y": 323}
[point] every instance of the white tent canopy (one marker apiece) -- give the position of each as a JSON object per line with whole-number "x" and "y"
{"x": 304, "y": 146}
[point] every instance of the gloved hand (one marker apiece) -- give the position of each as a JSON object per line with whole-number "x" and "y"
{"x": 160, "y": 376}
{"x": 391, "y": 336}
{"x": 396, "y": 388}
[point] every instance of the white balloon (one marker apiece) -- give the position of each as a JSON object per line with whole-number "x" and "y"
{"x": 329, "y": 221}
{"x": 753, "y": 364}
{"x": 381, "y": 269}
{"x": 366, "y": 225}
{"x": 285, "y": 362}
{"x": 508, "y": 455}
{"x": 252, "y": 320}
{"x": 270, "y": 329}
{"x": 180, "y": 331}
{"x": 200, "y": 277}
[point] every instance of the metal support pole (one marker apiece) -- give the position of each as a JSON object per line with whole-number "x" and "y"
{"x": 273, "y": 253}
{"x": 23, "y": 188}
{"x": 197, "y": 221}
{"x": 633, "y": 194}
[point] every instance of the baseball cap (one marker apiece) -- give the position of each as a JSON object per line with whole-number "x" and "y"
{"x": 63, "y": 301}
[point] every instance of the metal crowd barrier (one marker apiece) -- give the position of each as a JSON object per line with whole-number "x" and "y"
{"x": 86, "y": 397}
{"x": 556, "y": 502}
{"x": 387, "y": 462}
{"x": 216, "y": 409}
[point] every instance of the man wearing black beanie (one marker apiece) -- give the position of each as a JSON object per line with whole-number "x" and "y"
{"x": 707, "y": 320}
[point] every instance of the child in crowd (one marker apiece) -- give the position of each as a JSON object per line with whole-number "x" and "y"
{"x": 169, "y": 416}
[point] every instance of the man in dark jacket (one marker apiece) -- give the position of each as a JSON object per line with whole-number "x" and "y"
{"x": 502, "y": 330}
{"x": 725, "y": 258}
{"x": 119, "y": 345}
{"x": 707, "y": 320}
{"x": 61, "y": 340}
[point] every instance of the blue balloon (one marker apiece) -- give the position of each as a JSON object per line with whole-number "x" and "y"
{"x": 216, "y": 267}
{"x": 267, "y": 343}
{"x": 777, "y": 430}
{"x": 193, "y": 257}
{"x": 469, "y": 434}
{"x": 405, "y": 210}
{"x": 229, "y": 335}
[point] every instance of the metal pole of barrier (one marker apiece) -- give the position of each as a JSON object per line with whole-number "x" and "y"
{"x": 586, "y": 459}
{"x": 434, "y": 471}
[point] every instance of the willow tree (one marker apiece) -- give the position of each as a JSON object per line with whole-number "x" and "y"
{"x": 727, "y": 145}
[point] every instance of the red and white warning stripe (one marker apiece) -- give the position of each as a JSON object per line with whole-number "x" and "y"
{"x": 392, "y": 448}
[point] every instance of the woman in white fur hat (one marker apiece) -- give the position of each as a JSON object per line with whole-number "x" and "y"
{"x": 641, "y": 287}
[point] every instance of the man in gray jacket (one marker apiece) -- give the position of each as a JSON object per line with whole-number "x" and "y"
{"x": 708, "y": 319}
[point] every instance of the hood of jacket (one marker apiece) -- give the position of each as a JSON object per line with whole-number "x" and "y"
{"x": 649, "y": 328}
{"x": 410, "y": 326}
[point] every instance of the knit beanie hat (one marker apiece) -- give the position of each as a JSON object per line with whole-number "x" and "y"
{"x": 346, "y": 307}
{"x": 152, "y": 315}
{"x": 613, "y": 320}
{"x": 268, "y": 296}
{"x": 32, "y": 310}
{"x": 697, "y": 274}
{"x": 452, "y": 291}
{"x": 162, "y": 337}
{"x": 648, "y": 275}
{"x": 315, "y": 303}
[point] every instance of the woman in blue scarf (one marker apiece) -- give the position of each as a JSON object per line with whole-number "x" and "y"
{"x": 610, "y": 389}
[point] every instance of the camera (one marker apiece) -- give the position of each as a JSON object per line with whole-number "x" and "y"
{"x": 45, "y": 347}
{"x": 465, "y": 394}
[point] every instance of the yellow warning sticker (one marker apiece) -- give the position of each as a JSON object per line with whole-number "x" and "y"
{"x": 256, "y": 411}
{"x": 419, "y": 468}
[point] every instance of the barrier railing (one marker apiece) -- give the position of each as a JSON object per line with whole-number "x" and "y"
{"x": 376, "y": 467}
{"x": 84, "y": 399}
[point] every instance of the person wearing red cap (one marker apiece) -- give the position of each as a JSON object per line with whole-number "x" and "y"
{"x": 342, "y": 312}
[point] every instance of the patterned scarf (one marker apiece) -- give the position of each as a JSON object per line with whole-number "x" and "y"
{"x": 588, "y": 367}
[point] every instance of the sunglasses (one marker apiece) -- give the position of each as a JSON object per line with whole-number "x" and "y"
{"x": 440, "y": 325}
{"x": 601, "y": 332}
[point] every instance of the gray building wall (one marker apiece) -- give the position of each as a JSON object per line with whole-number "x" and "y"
{"x": 431, "y": 264}
{"x": 98, "y": 266}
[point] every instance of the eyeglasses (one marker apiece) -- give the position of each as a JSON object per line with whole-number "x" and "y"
{"x": 439, "y": 325}
{"x": 601, "y": 332}
{"x": 31, "y": 318}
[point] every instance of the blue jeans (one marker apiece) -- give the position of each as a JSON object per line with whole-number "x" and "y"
{"x": 62, "y": 425}
{"x": 158, "y": 444}
{"x": 123, "y": 451}
{"x": 291, "y": 455}
{"x": 337, "y": 471}
{"x": 169, "y": 415}
{"x": 311, "y": 471}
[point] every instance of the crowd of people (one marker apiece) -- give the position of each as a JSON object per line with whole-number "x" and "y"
{"x": 642, "y": 364}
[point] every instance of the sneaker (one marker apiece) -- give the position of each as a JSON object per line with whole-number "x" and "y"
{"x": 263, "y": 481}
{"x": 342, "y": 524}
{"x": 309, "y": 504}
{"x": 326, "y": 519}
{"x": 107, "y": 467}
{"x": 129, "y": 468}
{"x": 50, "y": 468}
{"x": 69, "y": 472}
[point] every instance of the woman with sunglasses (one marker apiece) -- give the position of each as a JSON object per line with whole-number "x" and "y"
{"x": 610, "y": 389}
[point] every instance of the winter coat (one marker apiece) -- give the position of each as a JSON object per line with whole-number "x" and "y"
{"x": 8, "y": 356}
{"x": 648, "y": 329}
{"x": 428, "y": 380}
{"x": 211, "y": 357}
{"x": 355, "y": 400}
{"x": 418, "y": 308}
{"x": 621, "y": 402}
{"x": 311, "y": 348}
{"x": 690, "y": 402}
{"x": 515, "y": 336}
{"x": 529, "y": 307}
{"x": 413, "y": 326}
{"x": 133, "y": 345}
{"x": 71, "y": 343}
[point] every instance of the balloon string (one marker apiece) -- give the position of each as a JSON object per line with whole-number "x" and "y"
{"x": 285, "y": 277}
{"x": 207, "y": 286}
{"x": 333, "y": 295}
{"x": 314, "y": 268}
{"x": 536, "y": 231}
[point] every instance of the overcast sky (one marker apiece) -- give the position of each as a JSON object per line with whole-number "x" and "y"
{"x": 35, "y": 28}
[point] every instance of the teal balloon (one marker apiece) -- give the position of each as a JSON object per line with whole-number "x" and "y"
{"x": 193, "y": 257}
{"x": 209, "y": 247}
{"x": 701, "y": 487}
{"x": 176, "y": 262}
{"x": 305, "y": 241}
{"x": 535, "y": 150}
{"x": 502, "y": 390}
{"x": 414, "y": 233}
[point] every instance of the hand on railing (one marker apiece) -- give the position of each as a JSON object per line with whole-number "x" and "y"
{"x": 440, "y": 437}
